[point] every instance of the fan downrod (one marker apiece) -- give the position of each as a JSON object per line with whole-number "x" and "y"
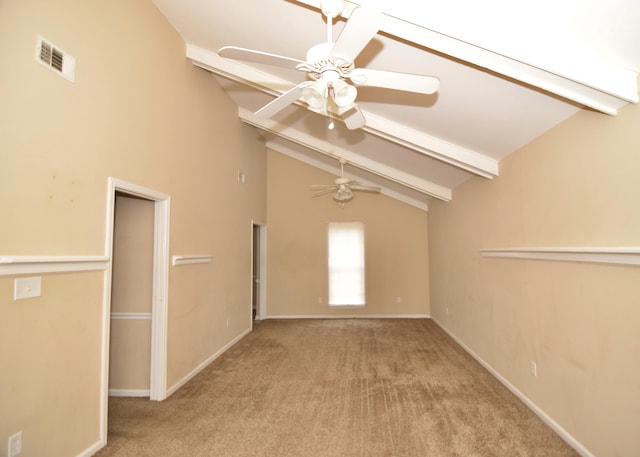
{"x": 332, "y": 8}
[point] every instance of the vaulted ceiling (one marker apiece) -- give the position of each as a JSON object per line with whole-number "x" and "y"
{"x": 508, "y": 71}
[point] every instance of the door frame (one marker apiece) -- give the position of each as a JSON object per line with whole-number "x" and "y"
{"x": 261, "y": 250}
{"x": 158, "y": 368}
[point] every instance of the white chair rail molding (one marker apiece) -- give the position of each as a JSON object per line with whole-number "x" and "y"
{"x": 16, "y": 265}
{"x": 191, "y": 259}
{"x": 608, "y": 255}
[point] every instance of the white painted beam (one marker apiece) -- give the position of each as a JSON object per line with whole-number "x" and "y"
{"x": 318, "y": 145}
{"x": 432, "y": 146}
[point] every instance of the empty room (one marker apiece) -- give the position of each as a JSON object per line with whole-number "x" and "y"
{"x": 319, "y": 228}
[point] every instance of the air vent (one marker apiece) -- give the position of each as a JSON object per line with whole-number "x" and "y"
{"x": 55, "y": 59}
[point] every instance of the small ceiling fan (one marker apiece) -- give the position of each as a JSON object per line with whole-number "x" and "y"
{"x": 330, "y": 69}
{"x": 342, "y": 188}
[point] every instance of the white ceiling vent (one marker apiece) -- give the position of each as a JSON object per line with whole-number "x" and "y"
{"x": 55, "y": 59}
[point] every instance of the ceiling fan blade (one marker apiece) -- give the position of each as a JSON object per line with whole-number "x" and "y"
{"x": 323, "y": 186}
{"x": 323, "y": 192}
{"x": 366, "y": 188}
{"x": 250, "y": 55}
{"x": 391, "y": 80}
{"x": 282, "y": 101}
{"x": 361, "y": 27}
{"x": 353, "y": 118}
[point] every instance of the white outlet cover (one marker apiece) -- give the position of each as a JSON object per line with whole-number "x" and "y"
{"x": 15, "y": 445}
{"x": 27, "y": 288}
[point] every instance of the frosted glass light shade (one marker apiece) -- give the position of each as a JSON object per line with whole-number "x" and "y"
{"x": 344, "y": 94}
{"x": 343, "y": 194}
{"x": 314, "y": 95}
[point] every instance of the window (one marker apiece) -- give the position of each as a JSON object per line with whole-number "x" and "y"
{"x": 346, "y": 264}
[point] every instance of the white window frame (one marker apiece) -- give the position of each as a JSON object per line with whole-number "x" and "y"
{"x": 346, "y": 264}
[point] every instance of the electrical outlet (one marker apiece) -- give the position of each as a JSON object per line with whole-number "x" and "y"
{"x": 15, "y": 445}
{"x": 447, "y": 311}
{"x": 398, "y": 299}
{"x": 534, "y": 369}
{"x": 319, "y": 300}
{"x": 227, "y": 323}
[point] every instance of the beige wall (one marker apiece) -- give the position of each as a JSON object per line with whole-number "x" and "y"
{"x": 577, "y": 185}
{"x": 140, "y": 112}
{"x": 396, "y": 253}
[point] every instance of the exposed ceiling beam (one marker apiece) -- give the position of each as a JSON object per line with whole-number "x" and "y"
{"x": 387, "y": 172}
{"x": 463, "y": 158}
{"x": 431, "y": 146}
{"x": 585, "y": 80}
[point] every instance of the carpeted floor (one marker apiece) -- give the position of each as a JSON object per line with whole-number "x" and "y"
{"x": 354, "y": 387}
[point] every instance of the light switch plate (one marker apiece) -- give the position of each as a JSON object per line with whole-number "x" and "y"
{"x": 27, "y": 288}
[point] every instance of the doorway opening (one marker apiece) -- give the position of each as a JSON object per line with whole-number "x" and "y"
{"x": 156, "y": 203}
{"x": 258, "y": 271}
{"x": 131, "y": 297}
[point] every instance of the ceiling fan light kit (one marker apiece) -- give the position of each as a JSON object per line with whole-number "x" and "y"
{"x": 343, "y": 195}
{"x": 330, "y": 69}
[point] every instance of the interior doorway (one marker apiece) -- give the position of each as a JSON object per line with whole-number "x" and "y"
{"x": 131, "y": 296}
{"x": 159, "y": 290}
{"x": 258, "y": 271}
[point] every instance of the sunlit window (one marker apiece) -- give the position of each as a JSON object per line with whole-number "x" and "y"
{"x": 346, "y": 264}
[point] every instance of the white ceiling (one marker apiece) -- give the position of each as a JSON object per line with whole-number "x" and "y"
{"x": 508, "y": 72}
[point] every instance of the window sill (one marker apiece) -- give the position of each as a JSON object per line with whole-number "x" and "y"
{"x": 347, "y": 306}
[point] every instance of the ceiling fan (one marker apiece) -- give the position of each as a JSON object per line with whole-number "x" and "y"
{"x": 342, "y": 188}
{"x": 332, "y": 75}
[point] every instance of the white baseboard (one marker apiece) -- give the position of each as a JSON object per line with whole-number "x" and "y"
{"x": 349, "y": 316}
{"x": 129, "y": 392}
{"x": 574, "y": 443}
{"x": 95, "y": 447}
{"x": 204, "y": 364}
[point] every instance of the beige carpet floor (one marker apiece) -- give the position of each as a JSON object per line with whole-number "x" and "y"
{"x": 354, "y": 387}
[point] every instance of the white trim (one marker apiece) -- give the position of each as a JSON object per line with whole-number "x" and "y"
{"x": 204, "y": 364}
{"x": 609, "y": 255}
{"x": 178, "y": 260}
{"x": 131, "y": 316}
{"x": 261, "y": 310}
{"x": 128, "y": 392}
{"x": 16, "y": 265}
{"x": 565, "y": 435}
{"x": 349, "y": 316}
{"x": 91, "y": 450}
{"x": 159, "y": 305}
